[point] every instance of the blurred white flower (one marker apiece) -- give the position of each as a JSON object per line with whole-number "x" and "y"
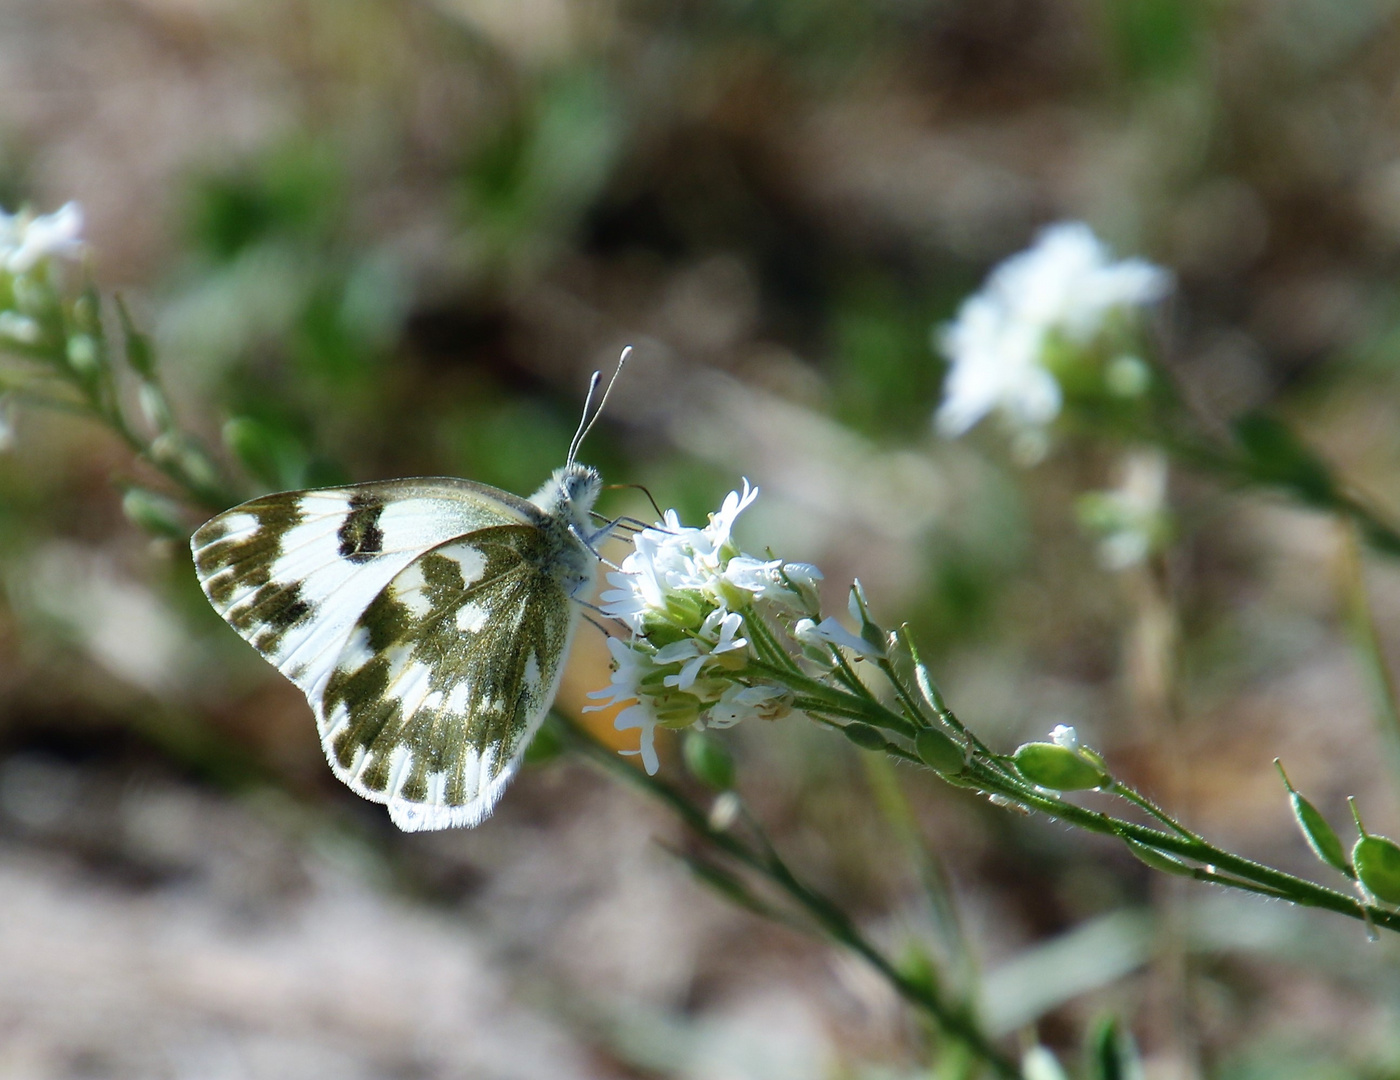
{"x": 1065, "y": 284}
{"x": 19, "y": 328}
{"x": 1130, "y": 520}
{"x": 1065, "y": 736}
{"x": 26, "y": 241}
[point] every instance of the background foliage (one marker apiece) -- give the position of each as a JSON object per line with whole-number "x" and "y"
{"x": 375, "y": 238}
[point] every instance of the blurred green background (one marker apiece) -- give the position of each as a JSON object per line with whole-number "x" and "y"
{"x": 392, "y": 237}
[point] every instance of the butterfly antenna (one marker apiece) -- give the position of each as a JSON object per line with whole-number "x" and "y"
{"x": 583, "y": 424}
{"x": 643, "y": 489}
{"x": 584, "y": 429}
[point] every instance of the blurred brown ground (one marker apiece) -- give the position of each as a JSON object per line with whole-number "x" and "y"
{"x": 774, "y": 201}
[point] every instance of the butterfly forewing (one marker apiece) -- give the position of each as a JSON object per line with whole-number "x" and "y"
{"x": 292, "y": 572}
{"x": 446, "y": 675}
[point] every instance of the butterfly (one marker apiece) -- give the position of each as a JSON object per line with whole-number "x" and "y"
{"x": 427, "y": 620}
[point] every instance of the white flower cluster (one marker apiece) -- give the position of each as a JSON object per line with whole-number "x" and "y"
{"x": 1065, "y": 285}
{"x": 26, "y": 243}
{"x": 27, "y": 240}
{"x": 688, "y": 596}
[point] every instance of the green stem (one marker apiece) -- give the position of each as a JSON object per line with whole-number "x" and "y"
{"x": 1365, "y": 637}
{"x": 827, "y": 916}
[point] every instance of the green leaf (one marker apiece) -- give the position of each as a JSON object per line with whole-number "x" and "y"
{"x": 272, "y": 455}
{"x": 1377, "y": 862}
{"x": 139, "y": 352}
{"x": 1275, "y": 455}
{"x": 1112, "y": 1053}
{"x": 708, "y": 760}
{"x": 1056, "y": 767}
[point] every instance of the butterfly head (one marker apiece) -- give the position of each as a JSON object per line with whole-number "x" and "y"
{"x": 570, "y": 493}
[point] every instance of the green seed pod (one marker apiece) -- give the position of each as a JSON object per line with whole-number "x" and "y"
{"x": 1377, "y": 862}
{"x": 154, "y": 513}
{"x": 1159, "y": 860}
{"x": 708, "y": 760}
{"x": 865, "y": 736}
{"x": 1319, "y": 835}
{"x": 1057, "y": 768}
{"x": 939, "y": 753}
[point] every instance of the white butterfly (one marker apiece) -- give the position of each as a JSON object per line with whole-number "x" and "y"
{"x": 427, "y": 621}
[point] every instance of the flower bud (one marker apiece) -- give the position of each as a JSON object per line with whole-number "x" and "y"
{"x": 685, "y": 609}
{"x": 154, "y": 407}
{"x": 1377, "y": 862}
{"x": 1039, "y": 1063}
{"x": 83, "y": 355}
{"x": 676, "y": 709}
{"x": 865, "y": 736}
{"x": 870, "y": 633}
{"x": 708, "y": 760}
{"x": 1054, "y": 767}
{"x": 939, "y": 752}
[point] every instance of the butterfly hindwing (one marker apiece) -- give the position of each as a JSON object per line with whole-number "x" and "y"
{"x": 446, "y": 675}
{"x": 292, "y": 572}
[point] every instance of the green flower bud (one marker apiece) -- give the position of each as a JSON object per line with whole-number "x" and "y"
{"x": 1057, "y": 768}
{"x": 1377, "y": 862}
{"x": 1319, "y": 835}
{"x": 154, "y": 407}
{"x": 865, "y": 736}
{"x": 83, "y": 355}
{"x": 686, "y": 609}
{"x": 676, "y": 709}
{"x": 939, "y": 752}
{"x": 139, "y": 352}
{"x": 152, "y": 512}
{"x": 708, "y": 760}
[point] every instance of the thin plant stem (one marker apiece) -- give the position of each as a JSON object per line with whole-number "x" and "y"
{"x": 1361, "y": 623}
{"x": 827, "y": 917}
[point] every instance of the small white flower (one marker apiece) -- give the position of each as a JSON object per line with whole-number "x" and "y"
{"x": 739, "y": 703}
{"x": 1064, "y": 735}
{"x": 26, "y": 241}
{"x": 788, "y": 585}
{"x": 830, "y": 631}
{"x": 629, "y": 666}
{"x": 641, "y": 717}
{"x": 1066, "y": 284}
{"x": 672, "y": 564}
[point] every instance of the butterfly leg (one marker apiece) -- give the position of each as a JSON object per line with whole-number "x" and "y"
{"x": 591, "y": 540}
